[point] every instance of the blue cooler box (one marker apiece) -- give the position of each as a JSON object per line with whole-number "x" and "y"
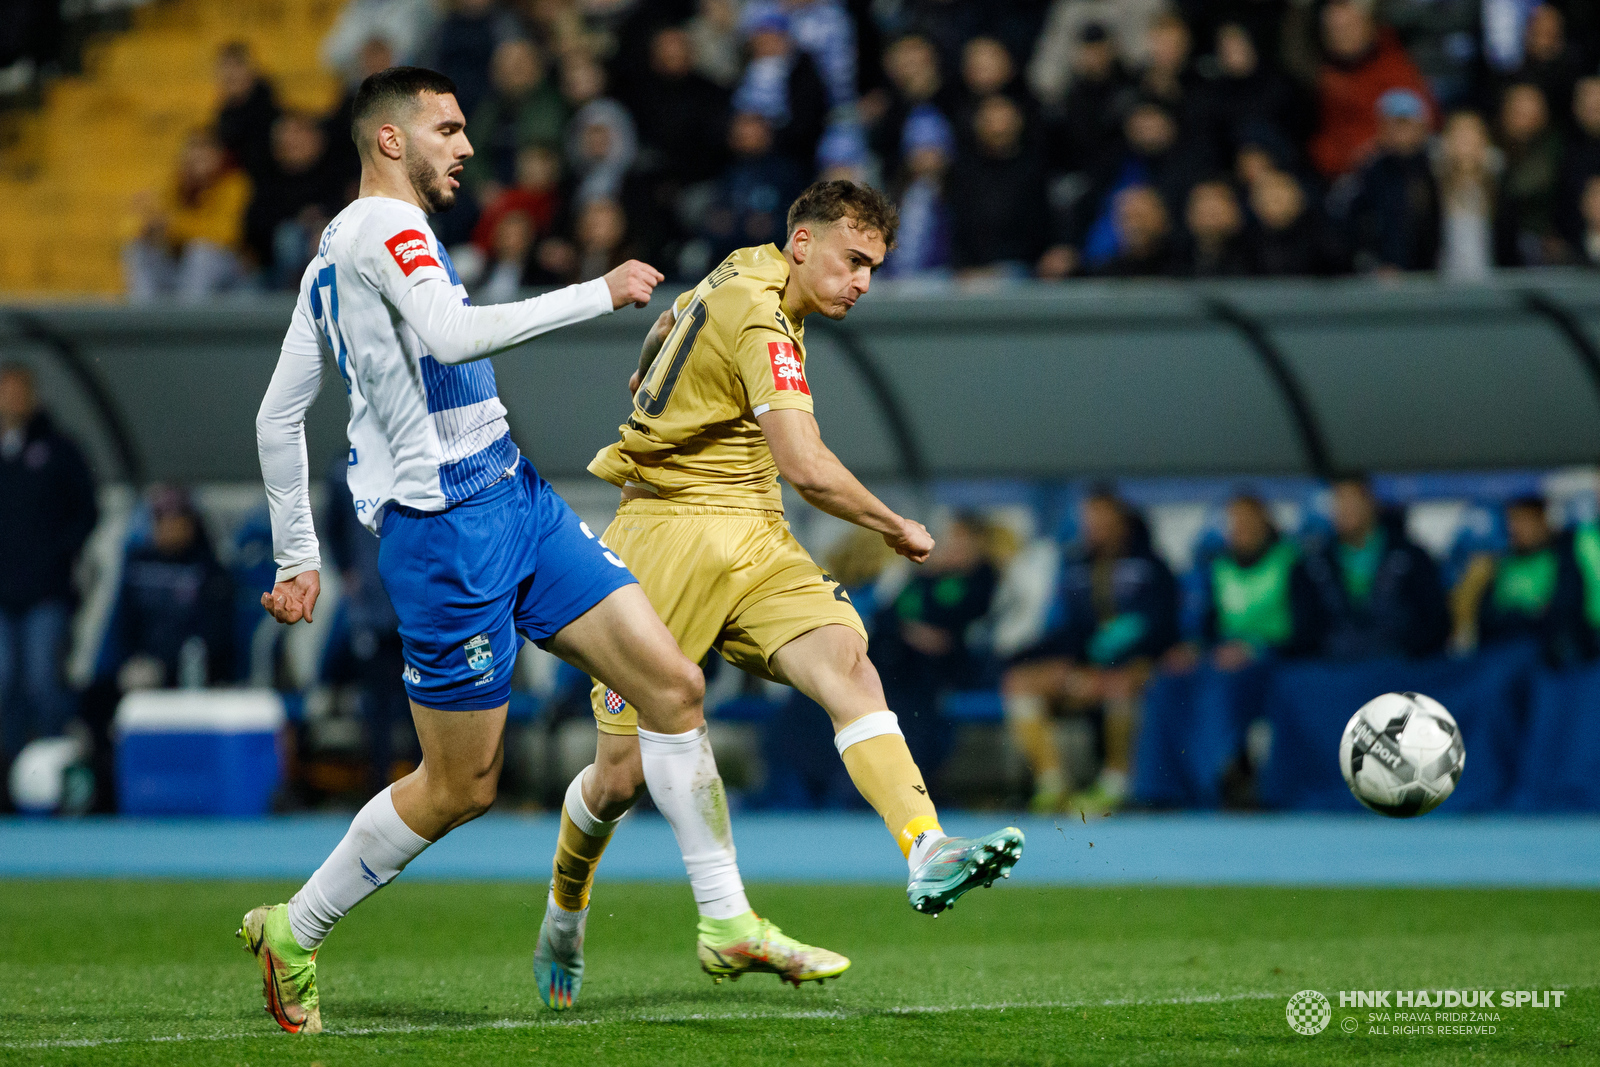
{"x": 198, "y": 752}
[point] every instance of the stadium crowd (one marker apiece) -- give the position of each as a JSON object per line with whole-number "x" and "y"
{"x": 1021, "y": 138}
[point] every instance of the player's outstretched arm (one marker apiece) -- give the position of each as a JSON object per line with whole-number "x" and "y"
{"x": 458, "y": 333}
{"x": 825, "y": 483}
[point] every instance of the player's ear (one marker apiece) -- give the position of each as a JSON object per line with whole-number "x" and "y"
{"x": 391, "y": 140}
{"x": 800, "y": 243}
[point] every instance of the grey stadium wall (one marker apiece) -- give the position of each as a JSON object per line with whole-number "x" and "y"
{"x": 1035, "y": 381}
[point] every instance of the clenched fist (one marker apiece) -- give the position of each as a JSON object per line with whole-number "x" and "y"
{"x": 632, "y": 283}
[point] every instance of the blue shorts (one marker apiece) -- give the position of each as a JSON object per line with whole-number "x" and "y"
{"x": 513, "y": 559}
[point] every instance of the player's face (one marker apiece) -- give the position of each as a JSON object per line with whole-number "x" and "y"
{"x": 436, "y": 148}
{"x": 838, "y": 265}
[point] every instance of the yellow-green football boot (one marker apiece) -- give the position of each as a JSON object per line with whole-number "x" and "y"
{"x": 749, "y": 944}
{"x": 288, "y": 972}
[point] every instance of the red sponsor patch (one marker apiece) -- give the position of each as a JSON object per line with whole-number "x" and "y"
{"x": 410, "y": 250}
{"x": 787, "y": 370}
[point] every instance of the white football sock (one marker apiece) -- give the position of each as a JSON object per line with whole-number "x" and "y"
{"x": 566, "y": 928}
{"x": 922, "y": 846}
{"x": 683, "y": 780}
{"x": 374, "y": 851}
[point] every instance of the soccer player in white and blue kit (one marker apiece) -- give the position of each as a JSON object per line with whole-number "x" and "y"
{"x": 477, "y": 551}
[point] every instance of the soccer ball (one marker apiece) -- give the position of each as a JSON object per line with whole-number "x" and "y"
{"x": 1401, "y": 754}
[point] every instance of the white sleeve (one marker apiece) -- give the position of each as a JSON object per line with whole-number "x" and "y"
{"x": 281, "y": 442}
{"x": 455, "y": 332}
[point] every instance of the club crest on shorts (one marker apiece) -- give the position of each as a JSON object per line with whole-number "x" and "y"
{"x": 479, "y": 655}
{"x": 614, "y": 702}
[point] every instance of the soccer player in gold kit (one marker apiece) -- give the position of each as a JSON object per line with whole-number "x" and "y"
{"x": 721, "y": 409}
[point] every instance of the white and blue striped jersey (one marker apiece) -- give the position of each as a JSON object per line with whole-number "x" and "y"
{"x": 382, "y": 301}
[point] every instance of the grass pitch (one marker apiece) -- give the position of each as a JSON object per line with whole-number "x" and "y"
{"x": 149, "y": 972}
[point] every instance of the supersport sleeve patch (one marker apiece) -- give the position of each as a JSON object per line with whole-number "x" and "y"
{"x": 410, "y": 250}
{"x": 787, "y": 370}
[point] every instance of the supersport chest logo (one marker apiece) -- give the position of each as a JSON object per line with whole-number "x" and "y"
{"x": 787, "y": 370}
{"x": 410, "y": 251}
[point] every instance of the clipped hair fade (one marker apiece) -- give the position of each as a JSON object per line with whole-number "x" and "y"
{"x": 381, "y": 92}
{"x": 863, "y": 205}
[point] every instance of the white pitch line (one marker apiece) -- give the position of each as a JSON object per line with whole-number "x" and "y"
{"x": 683, "y": 1017}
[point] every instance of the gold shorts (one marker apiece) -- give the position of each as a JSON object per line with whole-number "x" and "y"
{"x": 732, "y": 579}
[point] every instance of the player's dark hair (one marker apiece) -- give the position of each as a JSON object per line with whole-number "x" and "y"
{"x": 1528, "y": 502}
{"x": 381, "y": 94}
{"x": 863, "y": 205}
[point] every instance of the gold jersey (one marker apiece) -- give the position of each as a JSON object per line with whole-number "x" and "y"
{"x": 732, "y": 355}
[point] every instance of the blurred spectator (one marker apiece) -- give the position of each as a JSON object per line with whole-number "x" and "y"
{"x": 1144, "y": 235}
{"x": 174, "y": 613}
{"x": 1441, "y": 37}
{"x": 246, "y": 110}
{"x": 464, "y": 44}
{"x": 1581, "y": 160}
{"x": 1258, "y": 598}
{"x": 289, "y": 210}
{"x": 189, "y": 239}
{"x": 1589, "y": 215}
{"x": 919, "y": 642}
{"x": 998, "y": 187}
{"x": 923, "y": 248}
{"x": 374, "y": 635}
{"x": 602, "y": 233}
{"x": 508, "y": 259}
{"x": 1529, "y": 186}
{"x": 1530, "y": 592}
{"x": 1250, "y": 99}
{"x": 1548, "y": 59}
{"x": 1084, "y": 132}
{"x": 783, "y": 86}
{"x": 1169, "y": 78}
{"x": 1054, "y": 64}
{"x": 374, "y": 56}
{"x": 1378, "y": 592}
{"x": 1118, "y": 604}
{"x": 1215, "y": 244}
{"x": 49, "y": 514}
{"x": 842, "y": 155}
{"x": 754, "y": 195}
{"x": 537, "y": 193}
{"x": 522, "y": 109}
{"x": 407, "y": 26}
{"x": 683, "y": 117}
{"x": 1360, "y": 64}
{"x": 1468, "y": 167}
{"x": 987, "y": 69}
{"x": 820, "y": 30}
{"x": 714, "y": 32}
{"x": 1289, "y": 237}
{"x": 915, "y": 83}
{"x": 1390, "y": 207}
{"x": 1152, "y": 158}
{"x": 601, "y": 147}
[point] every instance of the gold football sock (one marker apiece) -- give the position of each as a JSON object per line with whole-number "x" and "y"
{"x": 875, "y": 753}
{"x": 578, "y": 848}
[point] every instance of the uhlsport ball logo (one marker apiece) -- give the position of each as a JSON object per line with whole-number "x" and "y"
{"x": 1308, "y": 1012}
